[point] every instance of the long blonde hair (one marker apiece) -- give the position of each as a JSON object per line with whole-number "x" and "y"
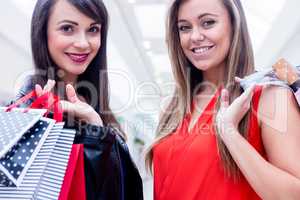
{"x": 240, "y": 62}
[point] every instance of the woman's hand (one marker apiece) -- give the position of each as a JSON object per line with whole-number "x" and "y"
{"x": 74, "y": 106}
{"x": 285, "y": 71}
{"x": 79, "y": 109}
{"x": 229, "y": 116}
{"x": 47, "y": 88}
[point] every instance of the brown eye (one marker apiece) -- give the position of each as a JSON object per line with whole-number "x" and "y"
{"x": 94, "y": 29}
{"x": 183, "y": 28}
{"x": 67, "y": 29}
{"x": 208, "y": 23}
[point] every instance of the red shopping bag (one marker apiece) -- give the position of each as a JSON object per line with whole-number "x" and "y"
{"x": 73, "y": 187}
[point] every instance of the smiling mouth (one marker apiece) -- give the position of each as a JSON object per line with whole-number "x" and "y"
{"x": 201, "y": 50}
{"x": 78, "y": 58}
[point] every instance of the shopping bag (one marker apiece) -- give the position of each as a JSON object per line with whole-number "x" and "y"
{"x": 15, "y": 163}
{"x": 73, "y": 186}
{"x": 43, "y": 180}
{"x": 44, "y": 177}
{"x": 14, "y": 124}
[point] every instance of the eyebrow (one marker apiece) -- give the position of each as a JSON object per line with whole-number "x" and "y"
{"x": 75, "y": 23}
{"x": 199, "y": 17}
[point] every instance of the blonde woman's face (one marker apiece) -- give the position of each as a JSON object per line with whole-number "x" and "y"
{"x": 205, "y": 32}
{"x": 73, "y": 38}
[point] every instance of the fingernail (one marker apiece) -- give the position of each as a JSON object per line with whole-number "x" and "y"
{"x": 69, "y": 85}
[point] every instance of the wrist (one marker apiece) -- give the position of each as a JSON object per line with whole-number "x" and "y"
{"x": 227, "y": 129}
{"x": 230, "y": 135}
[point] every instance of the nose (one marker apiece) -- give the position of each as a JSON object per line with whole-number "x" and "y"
{"x": 197, "y": 35}
{"x": 81, "y": 41}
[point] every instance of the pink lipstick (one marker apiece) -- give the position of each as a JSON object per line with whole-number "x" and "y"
{"x": 78, "y": 58}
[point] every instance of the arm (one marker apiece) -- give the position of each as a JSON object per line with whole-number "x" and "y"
{"x": 279, "y": 177}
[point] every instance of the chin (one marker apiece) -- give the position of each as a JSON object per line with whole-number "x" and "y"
{"x": 75, "y": 70}
{"x": 202, "y": 67}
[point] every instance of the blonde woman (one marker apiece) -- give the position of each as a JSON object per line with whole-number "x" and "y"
{"x": 255, "y": 153}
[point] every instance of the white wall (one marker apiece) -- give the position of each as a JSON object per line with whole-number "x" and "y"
{"x": 15, "y": 56}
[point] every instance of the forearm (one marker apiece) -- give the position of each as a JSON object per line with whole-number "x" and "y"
{"x": 268, "y": 181}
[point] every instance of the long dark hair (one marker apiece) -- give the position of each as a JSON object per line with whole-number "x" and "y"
{"x": 96, "y": 73}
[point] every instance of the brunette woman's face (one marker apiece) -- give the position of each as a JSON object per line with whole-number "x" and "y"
{"x": 73, "y": 38}
{"x": 205, "y": 32}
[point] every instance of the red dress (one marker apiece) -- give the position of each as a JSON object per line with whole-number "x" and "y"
{"x": 187, "y": 165}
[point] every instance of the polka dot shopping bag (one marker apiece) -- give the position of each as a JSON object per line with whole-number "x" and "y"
{"x": 32, "y": 164}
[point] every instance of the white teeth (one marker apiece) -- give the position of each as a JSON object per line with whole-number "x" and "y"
{"x": 201, "y": 50}
{"x": 78, "y": 56}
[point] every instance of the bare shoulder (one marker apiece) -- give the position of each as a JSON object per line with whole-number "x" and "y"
{"x": 270, "y": 92}
{"x": 276, "y": 103}
{"x": 279, "y": 118}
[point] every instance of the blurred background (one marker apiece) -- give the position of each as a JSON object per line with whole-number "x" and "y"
{"x": 139, "y": 69}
